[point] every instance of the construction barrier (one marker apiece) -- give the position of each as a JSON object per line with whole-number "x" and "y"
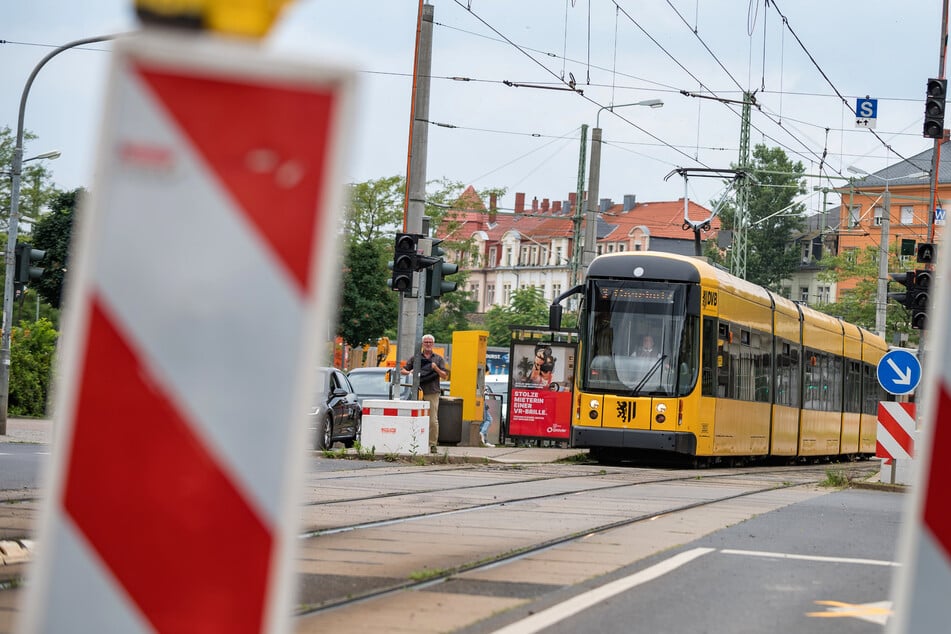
{"x": 400, "y": 427}
{"x": 895, "y": 442}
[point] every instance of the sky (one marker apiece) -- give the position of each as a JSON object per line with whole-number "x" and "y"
{"x": 502, "y": 113}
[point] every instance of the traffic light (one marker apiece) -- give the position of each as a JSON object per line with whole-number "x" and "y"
{"x": 920, "y": 299}
{"x": 404, "y": 262}
{"x": 926, "y": 253}
{"x": 435, "y": 282}
{"x": 906, "y": 279}
{"x": 25, "y": 272}
{"x": 934, "y": 108}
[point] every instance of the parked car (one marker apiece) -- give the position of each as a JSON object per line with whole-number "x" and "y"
{"x": 336, "y": 415}
{"x": 374, "y": 383}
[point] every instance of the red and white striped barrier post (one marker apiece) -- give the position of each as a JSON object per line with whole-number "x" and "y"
{"x": 895, "y": 442}
{"x": 199, "y": 295}
{"x": 397, "y": 427}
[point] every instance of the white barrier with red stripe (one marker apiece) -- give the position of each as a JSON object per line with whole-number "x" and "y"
{"x": 923, "y": 582}
{"x": 895, "y": 442}
{"x": 204, "y": 278}
{"x": 400, "y": 427}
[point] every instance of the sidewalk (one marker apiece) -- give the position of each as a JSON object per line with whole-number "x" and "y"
{"x": 28, "y": 430}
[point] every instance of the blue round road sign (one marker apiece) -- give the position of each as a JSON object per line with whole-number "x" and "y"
{"x": 899, "y": 372}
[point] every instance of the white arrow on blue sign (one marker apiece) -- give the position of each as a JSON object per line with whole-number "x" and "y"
{"x": 899, "y": 372}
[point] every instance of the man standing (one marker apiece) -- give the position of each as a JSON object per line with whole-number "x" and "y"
{"x": 432, "y": 370}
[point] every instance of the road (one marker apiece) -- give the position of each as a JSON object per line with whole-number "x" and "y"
{"x": 479, "y": 546}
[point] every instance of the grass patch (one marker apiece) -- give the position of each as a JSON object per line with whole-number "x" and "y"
{"x": 835, "y": 478}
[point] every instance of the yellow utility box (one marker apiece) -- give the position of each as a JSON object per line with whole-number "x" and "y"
{"x": 468, "y": 371}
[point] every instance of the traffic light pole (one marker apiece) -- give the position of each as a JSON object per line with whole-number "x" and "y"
{"x": 410, "y": 323}
{"x": 881, "y": 302}
{"x": 16, "y": 169}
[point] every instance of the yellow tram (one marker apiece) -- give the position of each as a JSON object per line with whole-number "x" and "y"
{"x": 679, "y": 357}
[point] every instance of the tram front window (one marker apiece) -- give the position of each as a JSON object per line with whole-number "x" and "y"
{"x": 640, "y": 340}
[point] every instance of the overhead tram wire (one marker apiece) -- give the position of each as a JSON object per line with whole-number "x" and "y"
{"x": 580, "y": 93}
{"x": 829, "y": 81}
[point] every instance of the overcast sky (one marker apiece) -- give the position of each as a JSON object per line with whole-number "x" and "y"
{"x": 527, "y": 139}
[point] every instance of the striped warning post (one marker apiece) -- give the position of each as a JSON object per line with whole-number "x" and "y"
{"x": 196, "y": 302}
{"x": 895, "y": 437}
{"x": 921, "y": 593}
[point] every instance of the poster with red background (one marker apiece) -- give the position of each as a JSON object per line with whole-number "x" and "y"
{"x": 541, "y": 392}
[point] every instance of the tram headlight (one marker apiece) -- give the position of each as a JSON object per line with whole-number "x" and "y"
{"x": 661, "y": 409}
{"x": 593, "y": 405}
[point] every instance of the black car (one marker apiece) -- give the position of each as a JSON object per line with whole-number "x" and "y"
{"x": 336, "y": 416}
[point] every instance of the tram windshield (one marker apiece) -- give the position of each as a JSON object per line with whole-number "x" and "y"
{"x": 639, "y": 339}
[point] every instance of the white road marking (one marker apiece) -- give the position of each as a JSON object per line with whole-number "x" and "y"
{"x": 833, "y": 560}
{"x": 573, "y": 606}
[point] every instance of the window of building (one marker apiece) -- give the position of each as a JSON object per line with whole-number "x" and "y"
{"x": 620, "y": 247}
{"x": 907, "y": 215}
{"x": 877, "y": 211}
{"x": 600, "y": 249}
{"x": 523, "y": 258}
{"x": 493, "y": 257}
{"x": 508, "y": 256}
{"x": 474, "y": 288}
{"x": 855, "y": 214}
{"x": 823, "y": 293}
{"x": 555, "y": 291}
{"x": 489, "y": 295}
{"x": 559, "y": 260}
{"x": 804, "y": 294}
{"x": 506, "y": 294}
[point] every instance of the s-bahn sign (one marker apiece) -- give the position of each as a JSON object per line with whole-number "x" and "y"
{"x": 173, "y": 504}
{"x": 899, "y": 372}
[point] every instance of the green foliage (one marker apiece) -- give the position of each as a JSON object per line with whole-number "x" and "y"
{"x": 367, "y": 305}
{"x": 527, "y": 308}
{"x": 32, "y": 347}
{"x": 452, "y": 314}
{"x": 770, "y": 255}
{"x": 858, "y": 305}
{"x": 36, "y": 183}
{"x": 53, "y": 234}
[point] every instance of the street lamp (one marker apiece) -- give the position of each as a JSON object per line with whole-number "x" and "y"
{"x": 881, "y": 301}
{"x": 594, "y": 177}
{"x": 16, "y": 169}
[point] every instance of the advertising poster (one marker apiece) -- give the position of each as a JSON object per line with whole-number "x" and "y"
{"x": 540, "y": 400}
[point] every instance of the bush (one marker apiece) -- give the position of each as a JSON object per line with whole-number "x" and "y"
{"x": 32, "y": 346}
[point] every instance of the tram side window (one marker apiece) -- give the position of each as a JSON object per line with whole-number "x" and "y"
{"x": 709, "y": 361}
{"x": 724, "y": 361}
{"x": 853, "y": 386}
{"x": 742, "y": 361}
{"x": 812, "y": 397}
{"x": 787, "y": 374}
{"x": 836, "y": 376}
{"x": 761, "y": 347}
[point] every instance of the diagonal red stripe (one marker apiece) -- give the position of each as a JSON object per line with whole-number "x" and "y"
{"x": 895, "y": 430}
{"x": 881, "y": 452}
{"x": 937, "y": 512}
{"x": 153, "y": 503}
{"x": 267, "y": 145}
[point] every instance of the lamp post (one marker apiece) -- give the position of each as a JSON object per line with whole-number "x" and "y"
{"x": 594, "y": 178}
{"x": 16, "y": 169}
{"x": 881, "y": 300}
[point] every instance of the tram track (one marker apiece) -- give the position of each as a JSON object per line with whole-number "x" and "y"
{"x": 466, "y": 523}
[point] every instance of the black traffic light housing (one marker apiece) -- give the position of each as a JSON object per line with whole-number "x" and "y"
{"x": 935, "y": 98}
{"x": 926, "y": 253}
{"x": 405, "y": 262}
{"x": 435, "y": 279}
{"x": 920, "y": 298}
{"x": 906, "y": 279}
{"x": 25, "y": 272}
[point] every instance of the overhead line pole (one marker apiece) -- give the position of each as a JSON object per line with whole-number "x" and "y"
{"x": 16, "y": 169}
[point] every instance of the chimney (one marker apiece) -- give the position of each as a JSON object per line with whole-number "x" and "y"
{"x": 572, "y": 197}
{"x": 545, "y": 205}
{"x": 565, "y": 206}
{"x": 629, "y": 202}
{"x": 605, "y": 204}
{"x": 519, "y": 203}
{"x": 556, "y": 207}
{"x": 493, "y": 208}
{"x": 535, "y": 204}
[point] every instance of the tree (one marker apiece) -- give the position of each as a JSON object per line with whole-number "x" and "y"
{"x": 36, "y": 183}
{"x": 367, "y": 306}
{"x": 32, "y": 347}
{"x": 773, "y": 216}
{"x": 53, "y": 234}
{"x": 857, "y": 305}
{"x": 527, "y": 308}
